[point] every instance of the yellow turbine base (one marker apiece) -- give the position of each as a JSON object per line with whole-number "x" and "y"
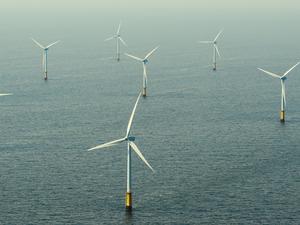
{"x": 282, "y": 116}
{"x": 144, "y": 92}
{"x": 128, "y": 200}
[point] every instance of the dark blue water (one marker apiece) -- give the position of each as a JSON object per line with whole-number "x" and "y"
{"x": 220, "y": 154}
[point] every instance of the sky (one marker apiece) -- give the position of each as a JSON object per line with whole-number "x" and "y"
{"x": 22, "y": 11}
{"x": 132, "y": 5}
{"x": 188, "y": 20}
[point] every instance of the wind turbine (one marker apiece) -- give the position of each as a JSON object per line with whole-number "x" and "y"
{"x": 215, "y": 49}
{"x": 283, "y": 96}
{"x": 118, "y": 38}
{"x": 45, "y": 56}
{"x": 144, "y": 62}
{"x": 129, "y": 139}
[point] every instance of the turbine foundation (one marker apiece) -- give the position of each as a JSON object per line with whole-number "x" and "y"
{"x": 144, "y": 92}
{"x": 128, "y": 201}
{"x": 282, "y": 116}
{"x": 46, "y": 76}
{"x": 215, "y": 67}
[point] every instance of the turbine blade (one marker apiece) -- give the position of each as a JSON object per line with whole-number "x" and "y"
{"x": 218, "y": 35}
{"x": 6, "y": 94}
{"x": 134, "y": 57}
{"x": 54, "y": 43}
{"x": 108, "y": 144}
{"x": 123, "y": 42}
{"x": 216, "y": 47}
{"x": 205, "y": 42}
{"x": 132, "y": 115}
{"x": 269, "y": 73}
{"x": 138, "y": 152}
{"x": 150, "y": 53}
{"x": 119, "y": 28}
{"x": 286, "y": 73}
{"x": 110, "y": 38}
{"x": 38, "y": 44}
{"x": 43, "y": 61}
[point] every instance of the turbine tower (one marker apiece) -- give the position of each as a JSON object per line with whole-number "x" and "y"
{"x": 283, "y": 95}
{"x": 118, "y": 38}
{"x": 129, "y": 139}
{"x": 215, "y": 49}
{"x": 45, "y": 56}
{"x": 144, "y": 62}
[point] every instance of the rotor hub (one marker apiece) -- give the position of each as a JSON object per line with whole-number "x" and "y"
{"x": 283, "y": 78}
{"x": 131, "y": 138}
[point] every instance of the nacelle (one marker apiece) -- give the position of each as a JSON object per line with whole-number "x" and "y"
{"x": 283, "y": 78}
{"x": 131, "y": 138}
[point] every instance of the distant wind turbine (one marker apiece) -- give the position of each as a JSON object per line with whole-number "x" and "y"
{"x": 129, "y": 139}
{"x": 144, "y": 62}
{"x": 283, "y": 96}
{"x": 118, "y": 38}
{"x": 215, "y": 49}
{"x": 45, "y": 56}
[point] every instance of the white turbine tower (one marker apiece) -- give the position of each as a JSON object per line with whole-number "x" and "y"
{"x": 129, "y": 139}
{"x": 215, "y": 49}
{"x": 45, "y": 56}
{"x": 283, "y": 96}
{"x": 118, "y": 38}
{"x": 144, "y": 62}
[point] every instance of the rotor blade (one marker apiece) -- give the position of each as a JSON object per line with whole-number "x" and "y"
{"x": 110, "y": 38}
{"x": 123, "y": 42}
{"x": 138, "y": 152}
{"x": 134, "y": 57}
{"x": 6, "y": 94}
{"x": 216, "y": 47}
{"x": 150, "y": 53}
{"x": 119, "y": 28}
{"x": 38, "y": 44}
{"x": 218, "y": 35}
{"x": 54, "y": 43}
{"x": 108, "y": 144}
{"x": 132, "y": 115}
{"x": 43, "y": 60}
{"x": 286, "y": 73}
{"x": 205, "y": 42}
{"x": 269, "y": 73}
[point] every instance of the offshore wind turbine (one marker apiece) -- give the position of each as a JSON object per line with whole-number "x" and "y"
{"x": 144, "y": 62}
{"x": 129, "y": 139}
{"x": 215, "y": 49}
{"x": 119, "y": 39}
{"x": 45, "y": 56}
{"x": 283, "y": 95}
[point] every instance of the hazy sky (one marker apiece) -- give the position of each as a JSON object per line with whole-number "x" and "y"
{"x": 152, "y": 4}
{"x": 155, "y": 18}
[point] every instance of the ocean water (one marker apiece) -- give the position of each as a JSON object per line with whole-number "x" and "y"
{"x": 220, "y": 154}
